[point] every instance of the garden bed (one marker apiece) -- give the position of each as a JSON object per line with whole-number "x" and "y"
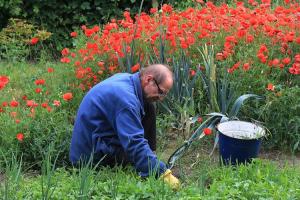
{"x": 217, "y": 54}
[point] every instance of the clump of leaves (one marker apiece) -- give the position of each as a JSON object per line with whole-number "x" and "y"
{"x": 258, "y": 180}
{"x": 15, "y": 39}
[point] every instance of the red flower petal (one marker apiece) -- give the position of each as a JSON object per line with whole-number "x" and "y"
{"x": 207, "y": 131}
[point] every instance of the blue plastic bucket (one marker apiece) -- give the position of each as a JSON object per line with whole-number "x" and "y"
{"x": 239, "y": 141}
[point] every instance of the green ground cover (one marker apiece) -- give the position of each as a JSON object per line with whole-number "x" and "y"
{"x": 206, "y": 180}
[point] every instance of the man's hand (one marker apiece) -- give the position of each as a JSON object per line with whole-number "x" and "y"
{"x": 171, "y": 180}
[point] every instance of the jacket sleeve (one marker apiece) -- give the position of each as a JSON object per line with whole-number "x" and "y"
{"x": 131, "y": 135}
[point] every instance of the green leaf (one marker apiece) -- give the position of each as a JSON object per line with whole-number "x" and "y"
{"x": 239, "y": 102}
{"x": 85, "y": 5}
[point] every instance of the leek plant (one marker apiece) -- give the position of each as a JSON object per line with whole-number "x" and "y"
{"x": 48, "y": 182}
{"x": 11, "y": 177}
{"x": 180, "y": 101}
{"x": 220, "y": 97}
{"x": 86, "y": 178}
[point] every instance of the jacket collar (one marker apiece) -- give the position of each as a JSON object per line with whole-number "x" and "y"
{"x": 138, "y": 89}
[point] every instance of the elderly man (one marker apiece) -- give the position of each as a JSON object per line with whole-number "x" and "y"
{"x": 115, "y": 123}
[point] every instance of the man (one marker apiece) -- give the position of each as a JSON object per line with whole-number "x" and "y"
{"x": 115, "y": 123}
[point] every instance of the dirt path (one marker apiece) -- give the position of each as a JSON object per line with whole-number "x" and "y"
{"x": 280, "y": 157}
{"x": 201, "y": 152}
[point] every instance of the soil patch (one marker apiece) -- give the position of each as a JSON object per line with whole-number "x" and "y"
{"x": 280, "y": 157}
{"x": 199, "y": 153}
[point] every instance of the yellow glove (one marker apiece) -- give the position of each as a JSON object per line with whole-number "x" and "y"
{"x": 171, "y": 180}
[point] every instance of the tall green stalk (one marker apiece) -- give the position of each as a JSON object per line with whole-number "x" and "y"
{"x": 48, "y": 185}
{"x": 210, "y": 78}
{"x": 12, "y": 177}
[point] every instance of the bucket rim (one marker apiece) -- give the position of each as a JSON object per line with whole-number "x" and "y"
{"x": 259, "y": 133}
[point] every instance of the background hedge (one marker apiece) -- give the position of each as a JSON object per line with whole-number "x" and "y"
{"x": 62, "y": 17}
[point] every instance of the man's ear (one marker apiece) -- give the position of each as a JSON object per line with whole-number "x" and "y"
{"x": 148, "y": 78}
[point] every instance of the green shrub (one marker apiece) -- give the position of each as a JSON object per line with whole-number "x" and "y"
{"x": 17, "y": 40}
{"x": 9, "y": 9}
{"x": 282, "y": 117}
{"x": 61, "y": 18}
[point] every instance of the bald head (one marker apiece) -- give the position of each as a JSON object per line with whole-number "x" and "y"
{"x": 156, "y": 81}
{"x": 160, "y": 72}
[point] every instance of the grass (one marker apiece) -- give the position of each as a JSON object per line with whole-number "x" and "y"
{"x": 205, "y": 180}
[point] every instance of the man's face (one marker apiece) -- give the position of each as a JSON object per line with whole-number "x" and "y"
{"x": 154, "y": 91}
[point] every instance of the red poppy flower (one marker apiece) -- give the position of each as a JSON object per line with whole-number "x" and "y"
{"x": 270, "y": 87}
{"x": 88, "y": 32}
{"x": 38, "y": 90}
{"x": 44, "y": 105}
{"x": 153, "y": 10}
{"x": 34, "y": 40}
{"x": 249, "y": 38}
{"x": 275, "y": 62}
{"x": 200, "y": 119}
{"x": 246, "y": 66}
{"x": 39, "y": 82}
{"x": 192, "y": 72}
{"x": 200, "y": 1}
{"x": 167, "y": 8}
{"x": 297, "y": 40}
{"x": 3, "y": 81}
{"x": 49, "y": 108}
{"x": 4, "y": 104}
{"x": 77, "y": 63}
{"x": 14, "y": 103}
{"x": 295, "y": 69}
{"x": 286, "y": 60}
{"x": 31, "y": 103}
{"x": 50, "y": 70}
{"x": 135, "y": 68}
{"x": 13, "y": 114}
{"x": 65, "y": 60}
{"x": 68, "y": 96}
{"x": 65, "y": 52}
{"x": 207, "y": 131}
{"x": 2, "y": 85}
{"x": 96, "y": 28}
{"x": 73, "y": 34}
{"x": 297, "y": 58}
{"x": 100, "y": 64}
{"x": 20, "y": 137}
{"x": 56, "y": 103}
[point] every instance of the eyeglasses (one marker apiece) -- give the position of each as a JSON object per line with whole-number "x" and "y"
{"x": 160, "y": 91}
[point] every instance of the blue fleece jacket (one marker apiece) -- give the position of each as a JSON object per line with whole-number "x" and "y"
{"x": 110, "y": 117}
